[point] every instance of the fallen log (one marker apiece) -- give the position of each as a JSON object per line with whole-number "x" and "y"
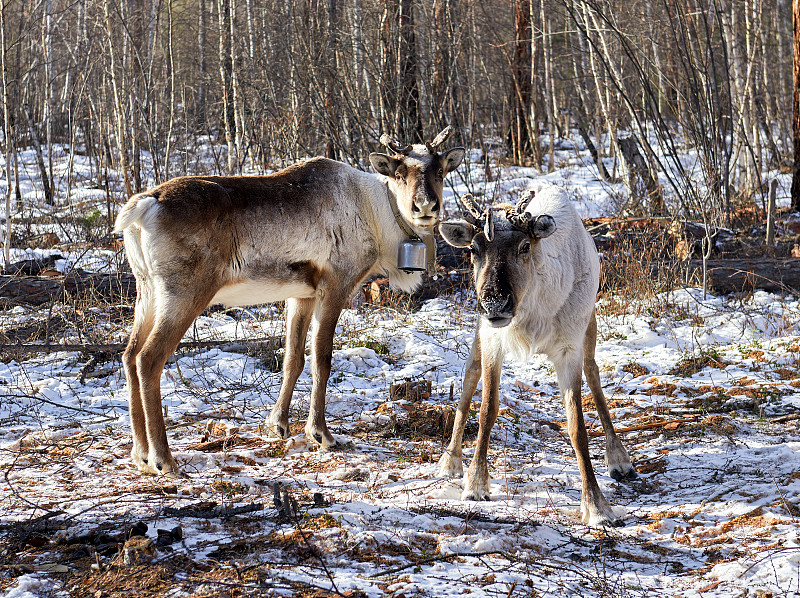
{"x": 725, "y": 275}
{"x": 227, "y": 442}
{"x": 745, "y": 275}
{"x": 40, "y": 290}
{"x": 243, "y": 346}
{"x": 777, "y": 275}
{"x": 662, "y": 424}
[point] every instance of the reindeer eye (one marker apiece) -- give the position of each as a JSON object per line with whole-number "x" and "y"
{"x": 525, "y": 248}
{"x": 440, "y": 173}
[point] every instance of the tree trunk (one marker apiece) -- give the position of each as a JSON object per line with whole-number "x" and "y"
{"x": 7, "y": 137}
{"x": 521, "y": 136}
{"x": 50, "y": 100}
{"x": 549, "y": 97}
{"x": 440, "y": 64}
{"x": 598, "y": 160}
{"x": 171, "y": 67}
{"x": 332, "y": 113}
{"x": 200, "y": 112}
{"x": 37, "y": 146}
{"x": 251, "y": 32}
{"x": 387, "y": 82}
{"x": 120, "y": 124}
{"x": 777, "y": 275}
{"x": 228, "y": 111}
{"x": 783, "y": 44}
{"x": 645, "y": 192}
{"x": 132, "y": 84}
{"x": 238, "y": 113}
{"x": 796, "y": 104}
{"x": 410, "y": 129}
{"x": 294, "y": 95}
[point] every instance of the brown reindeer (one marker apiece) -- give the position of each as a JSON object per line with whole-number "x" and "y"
{"x": 536, "y": 274}
{"x": 308, "y": 234}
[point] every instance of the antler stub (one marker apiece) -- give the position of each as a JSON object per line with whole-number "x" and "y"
{"x": 396, "y": 147}
{"x": 439, "y": 139}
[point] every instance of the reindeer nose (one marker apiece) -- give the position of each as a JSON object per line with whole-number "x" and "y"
{"x": 425, "y": 209}
{"x": 498, "y": 307}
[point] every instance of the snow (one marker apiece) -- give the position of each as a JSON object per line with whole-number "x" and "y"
{"x": 384, "y": 492}
{"x": 713, "y": 513}
{"x": 30, "y": 586}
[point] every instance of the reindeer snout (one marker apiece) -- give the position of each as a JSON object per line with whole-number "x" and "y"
{"x": 498, "y": 309}
{"x": 425, "y": 210}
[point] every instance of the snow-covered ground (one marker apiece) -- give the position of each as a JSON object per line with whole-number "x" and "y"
{"x": 706, "y": 393}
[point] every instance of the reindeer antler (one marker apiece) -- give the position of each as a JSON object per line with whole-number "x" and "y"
{"x": 439, "y": 139}
{"x": 523, "y": 202}
{"x": 393, "y": 145}
{"x": 471, "y": 214}
{"x": 517, "y": 216}
{"x": 538, "y": 227}
{"x": 488, "y": 228}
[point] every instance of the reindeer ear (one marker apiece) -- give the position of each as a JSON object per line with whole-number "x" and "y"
{"x": 543, "y": 226}
{"x": 384, "y": 164}
{"x": 452, "y": 158}
{"x": 458, "y": 233}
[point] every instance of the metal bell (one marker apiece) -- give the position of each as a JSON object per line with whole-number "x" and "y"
{"x": 412, "y": 256}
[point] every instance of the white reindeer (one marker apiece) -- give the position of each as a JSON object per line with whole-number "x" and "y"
{"x": 536, "y": 274}
{"x": 308, "y": 234}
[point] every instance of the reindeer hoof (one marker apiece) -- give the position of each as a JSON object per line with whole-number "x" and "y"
{"x": 476, "y": 486}
{"x": 161, "y": 464}
{"x": 338, "y": 445}
{"x": 161, "y": 468}
{"x": 621, "y": 475}
{"x": 324, "y": 439}
{"x": 139, "y": 454}
{"x": 475, "y": 495}
{"x": 279, "y": 429}
{"x": 600, "y": 514}
{"x": 607, "y": 522}
{"x": 450, "y": 466}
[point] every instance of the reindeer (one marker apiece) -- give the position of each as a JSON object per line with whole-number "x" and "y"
{"x": 308, "y": 234}
{"x": 536, "y": 274}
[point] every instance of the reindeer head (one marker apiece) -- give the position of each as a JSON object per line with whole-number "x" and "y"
{"x": 503, "y": 241}
{"x": 418, "y": 172}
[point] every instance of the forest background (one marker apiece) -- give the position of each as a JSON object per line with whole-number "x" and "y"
{"x": 663, "y": 112}
{"x": 139, "y": 85}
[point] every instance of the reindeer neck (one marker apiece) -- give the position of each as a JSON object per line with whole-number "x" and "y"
{"x": 401, "y": 222}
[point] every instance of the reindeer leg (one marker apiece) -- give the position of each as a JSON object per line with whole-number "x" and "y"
{"x": 476, "y": 480}
{"x": 617, "y": 459}
{"x": 173, "y": 319}
{"x": 142, "y": 326}
{"x": 450, "y": 461}
{"x": 326, "y": 316}
{"x": 298, "y": 318}
{"x": 595, "y": 509}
